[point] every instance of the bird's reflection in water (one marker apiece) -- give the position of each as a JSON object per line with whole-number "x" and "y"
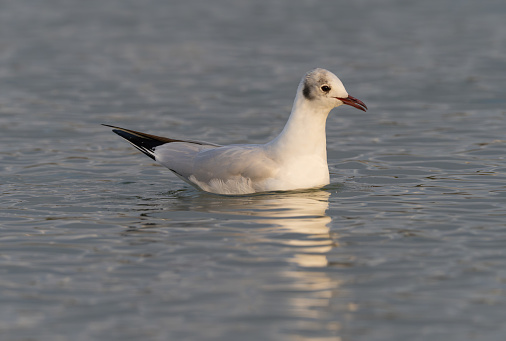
{"x": 291, "y": 228}
{"x": 294, "y": 213}
{"x": 269, "y": 252}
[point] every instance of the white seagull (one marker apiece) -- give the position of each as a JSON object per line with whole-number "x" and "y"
{"x": 295, "y": 159}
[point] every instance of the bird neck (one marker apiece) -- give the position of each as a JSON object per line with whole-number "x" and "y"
{"x": 304, "y": 133}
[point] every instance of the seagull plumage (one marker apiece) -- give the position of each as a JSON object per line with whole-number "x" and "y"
{"x": 295, "y": 159}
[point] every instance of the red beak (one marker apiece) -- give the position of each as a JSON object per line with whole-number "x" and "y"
{"x": 354, "y": 102}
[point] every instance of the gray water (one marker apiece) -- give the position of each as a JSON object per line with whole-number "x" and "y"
{"x": 99, "y": 243}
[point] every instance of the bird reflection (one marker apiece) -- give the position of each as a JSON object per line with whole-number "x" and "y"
{"x": 300, "y": 215}
{"x": 276, "y": 244}
{"x": 291, "y": 228}
{"x": 295, "y": 220}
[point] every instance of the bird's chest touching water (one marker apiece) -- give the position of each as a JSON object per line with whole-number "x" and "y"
{"x": 305, "y": 171}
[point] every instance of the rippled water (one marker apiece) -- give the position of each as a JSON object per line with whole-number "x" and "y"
{"x": 99, "y": 243}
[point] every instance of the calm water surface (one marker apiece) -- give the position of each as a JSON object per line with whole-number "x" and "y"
{"x": 99, "y": 243}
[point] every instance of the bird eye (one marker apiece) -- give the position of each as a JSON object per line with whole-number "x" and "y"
{"x": 325, "y": 88}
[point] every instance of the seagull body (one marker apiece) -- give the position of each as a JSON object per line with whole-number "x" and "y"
{"x": 295, "y": 159}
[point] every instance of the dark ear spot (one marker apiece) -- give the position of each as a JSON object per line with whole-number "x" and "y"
{"x": 306, "y": 91}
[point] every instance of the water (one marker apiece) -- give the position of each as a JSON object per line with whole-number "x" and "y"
{"x": 99, "y": 243}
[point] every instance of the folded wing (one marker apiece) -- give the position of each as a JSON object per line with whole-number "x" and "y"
{"x": 177, "y": 155}
{"x": 208, "y": 166}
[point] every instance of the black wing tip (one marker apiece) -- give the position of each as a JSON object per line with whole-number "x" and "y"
{"x": 127, "y": 136}
{"x": 110, "y": 126}
{"x": 119, "y": 131}
{"x": 143, "y": 144}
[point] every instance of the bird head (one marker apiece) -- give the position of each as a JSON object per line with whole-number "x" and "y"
{"x": 321, "y": 87}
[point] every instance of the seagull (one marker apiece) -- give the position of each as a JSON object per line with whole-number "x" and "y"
{"x": 296, "y": 159}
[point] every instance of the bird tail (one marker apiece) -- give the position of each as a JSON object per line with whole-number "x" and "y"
{"x": 146, "y": 143}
